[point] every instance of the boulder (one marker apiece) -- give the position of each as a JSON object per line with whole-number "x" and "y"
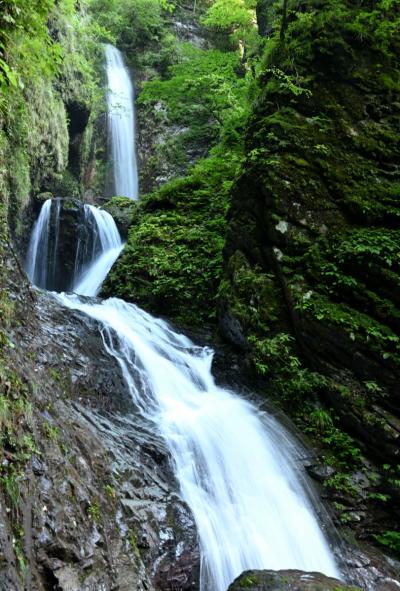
{"x": 287, "y": 580}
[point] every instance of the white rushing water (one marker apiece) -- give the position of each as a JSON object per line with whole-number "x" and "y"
{"x": 102, "y": 258}
{"x": 121, "y": 121}
{"x": 235, "y": 465}
{"x": 38, "y": 248}
{"x": 97, "y": 248}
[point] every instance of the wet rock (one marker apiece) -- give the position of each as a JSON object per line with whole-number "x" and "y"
{"x": 101, "y": 504}
{"x": 320, "y": 472}
{"x": 287, "y": 580}
{"x": 231, "y": 329}
{"x": 122, "y": 210}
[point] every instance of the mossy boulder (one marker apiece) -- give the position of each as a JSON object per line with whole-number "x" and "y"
{"x": 287, "y": 580}
{"x": 172, "y": 262}
{"x": 123, "y": 211}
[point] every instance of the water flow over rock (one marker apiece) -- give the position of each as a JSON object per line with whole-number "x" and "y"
{"x": 121, "y": 120}
{"x": 38, "y": 248}
{"x": 234, "y": 464}
{"x": 106, "y": 247}
{"x": 72, "y": 247}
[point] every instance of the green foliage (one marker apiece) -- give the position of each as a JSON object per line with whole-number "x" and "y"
{"x": 27, "y": 51}
{"x": 94, "y": 511}
{"x": 389, "y": 540}
{"x": 133, "y": 24}
{"x": 203, "y": 92}
{"x": 358, "y": 326}
{"x": 132, "y": 540}
{"x": 270, "y": 351}
{"x": 235, "y": 21}
{"x": 50, "y": 50}
{"x": 110, "y": 492}
{"x": 52, "y": 431}
{"x": 17, "y": 443}
{"x": 392, "y": 473}
{"x": 173, "y": 258}
{"x": 230, "y": 14}
{"x": 286, "y": 83}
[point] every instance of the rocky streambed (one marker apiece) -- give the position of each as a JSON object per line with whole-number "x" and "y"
{"x": 98, "y": 505}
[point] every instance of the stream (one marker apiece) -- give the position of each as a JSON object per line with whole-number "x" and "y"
{"x": 238, "y": 469}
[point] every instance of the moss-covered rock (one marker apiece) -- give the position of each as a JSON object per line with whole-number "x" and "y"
{"x": 172, "y": 261}
{"x": 287, "y": 580}
{"x": 312, "y": 251}
{"x": 123, "y": 211}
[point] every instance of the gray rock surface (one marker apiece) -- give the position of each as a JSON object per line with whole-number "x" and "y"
{"x": 99, "y": 505}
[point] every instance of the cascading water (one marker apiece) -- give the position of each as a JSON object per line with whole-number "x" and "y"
{"x": 96, "y": 245}
{"x": 236, "y": 466}
{"x": 38, "y": 248}
{"x": 109, "y": 246}
{"x": 121, "y": 121}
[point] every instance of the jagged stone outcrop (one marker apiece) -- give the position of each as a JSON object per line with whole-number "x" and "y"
{"x": 98, "y": 505}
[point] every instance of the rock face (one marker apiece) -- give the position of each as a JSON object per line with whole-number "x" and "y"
{"x": 287, "y": 580}
{"x": 312, "y": 252}
{"x": 97, "y": 504}
{"x": 167, "y": 148}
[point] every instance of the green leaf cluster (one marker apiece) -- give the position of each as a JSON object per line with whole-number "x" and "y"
{"x": 135, "y": 25}
{"x": 203, "y": 92}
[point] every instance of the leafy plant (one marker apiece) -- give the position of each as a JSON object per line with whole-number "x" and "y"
{"x": 390, "y": 540}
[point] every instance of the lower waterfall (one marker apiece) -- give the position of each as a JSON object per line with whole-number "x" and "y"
{"x": 236, "y": 466}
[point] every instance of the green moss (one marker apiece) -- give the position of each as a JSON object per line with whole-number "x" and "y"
{"x": 249, "y": 581}
{"x": 172, "y": 261}
{"x": 94, "y": 511}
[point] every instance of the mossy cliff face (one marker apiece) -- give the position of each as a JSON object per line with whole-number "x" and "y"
{"x": 49, "y": 94}
{"x": 312, "y": 254}
{"x": 172, "y": 261}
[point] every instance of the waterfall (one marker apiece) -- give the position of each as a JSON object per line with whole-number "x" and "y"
{"x": 38, "y": 248}
{"x": 238, "y": 469}
{"x": 235, "y": 465}
{"x": 97, "y": 266}
{"x": 121, "y": 122}
{"x": 92, "y": 241}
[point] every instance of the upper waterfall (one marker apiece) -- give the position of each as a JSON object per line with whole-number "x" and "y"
{"x": 121, "y": 121}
